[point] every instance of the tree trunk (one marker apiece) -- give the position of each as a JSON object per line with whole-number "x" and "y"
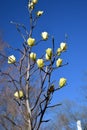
{"x": 28, "y": 108}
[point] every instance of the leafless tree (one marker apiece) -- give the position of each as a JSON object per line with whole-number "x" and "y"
{"x": 68, "y": 115}
{"x": 27, "y": 112}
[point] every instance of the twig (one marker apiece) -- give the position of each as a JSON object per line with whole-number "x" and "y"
{"x": 54, "y": 105}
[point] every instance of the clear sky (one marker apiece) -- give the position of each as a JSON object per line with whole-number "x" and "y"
{"x": 60, "y": 17}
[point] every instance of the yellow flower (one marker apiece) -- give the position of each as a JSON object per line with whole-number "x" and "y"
{"x": 39, "y": 13}
{"x": 34, "y": 1}
{"x": 62, "y": 82}
{"x": 31, "y": 5}
{"x": 11, "y": 59}
{"x": 40, "y": 63}
{"x": 44, "y": 35}
{"x": 47, "y": 57}
{"x": 33, "y": 56}
{"x": 31, "y": 41}
{"x": 18, "y": 94}
{"x": 49, "y": 52}
{"x": 59, "y": 51}
{"x": 63, "y": 46}
{"x": 59, "y": 62}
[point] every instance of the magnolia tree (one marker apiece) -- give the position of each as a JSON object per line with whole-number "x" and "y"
{"x": 30, "y": 70}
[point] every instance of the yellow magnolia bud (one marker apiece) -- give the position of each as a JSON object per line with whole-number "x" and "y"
{"x": 59, "y": 62}
{"x": 49, "y": 52}
{"x": 18, "y": 94}
{"x": 34, "y": 1}
{"x": 44, "y": 35}
{"x": 59, "y": 51}
{"x": 39, "y": 13}
{"x": 33, "y": 56}
{"x": 11, "y": 59}
{"x": 63, "y": 46}
{"x": 47, "y": 57}
{"x": 31, "y": 5}
{"x": 31, "y": 41}
{"x": 40, "y": 63}
{"x": 62, "y": 82}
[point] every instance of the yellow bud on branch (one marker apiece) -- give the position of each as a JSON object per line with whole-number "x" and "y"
{"x": 19, "y": 94}
{"x": 40, "y": 63}
{"x": 44, "y": 35}
{"x": 63, "y": 46}
{"x": 39, "y": 13}
{"x": 31, "y": 41}
{"x": 62, "y": 82}
{"x": 11, "y": 59}
{"x": 59, "y": 62}
{"x": 33, "y": 56}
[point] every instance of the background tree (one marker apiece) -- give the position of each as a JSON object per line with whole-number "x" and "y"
{"x": 67, "y": 116}
{"x": 29, "y": 87}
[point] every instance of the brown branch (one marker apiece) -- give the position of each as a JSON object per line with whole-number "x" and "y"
{"x": 43, "y": 112}
{"x": 59, "y": 88}
{"x": 6, "y": 117}
{"x": 20, "y": 25}
{"x": 42, "y": 84}
{"x": 10, "y": 120}
{"x": 47, "y": 99}
{"x": 60, "y": 66}
{"x": 45, "y": 120}
{"x": 38, "y": 42}
{"x": 3, "y": 55}
{"x": 3, "y": 124}
{"x": 20, "y": 68}
{"x": 53, "y": 44}
{"x": 54, "y": 105}
{"x": 13, "y": 80}
{"x": 16, "y": 49}
{"x": 18, "y": 29}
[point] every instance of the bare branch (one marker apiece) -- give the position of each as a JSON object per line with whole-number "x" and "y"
{"x": 45, "y": 120}
{"x": 12, "y": 121}
{"x": 12, "y": 79}
{"x": 54, "y": 105}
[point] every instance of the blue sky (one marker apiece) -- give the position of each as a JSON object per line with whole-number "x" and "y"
{"x": 60, "y": 17}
